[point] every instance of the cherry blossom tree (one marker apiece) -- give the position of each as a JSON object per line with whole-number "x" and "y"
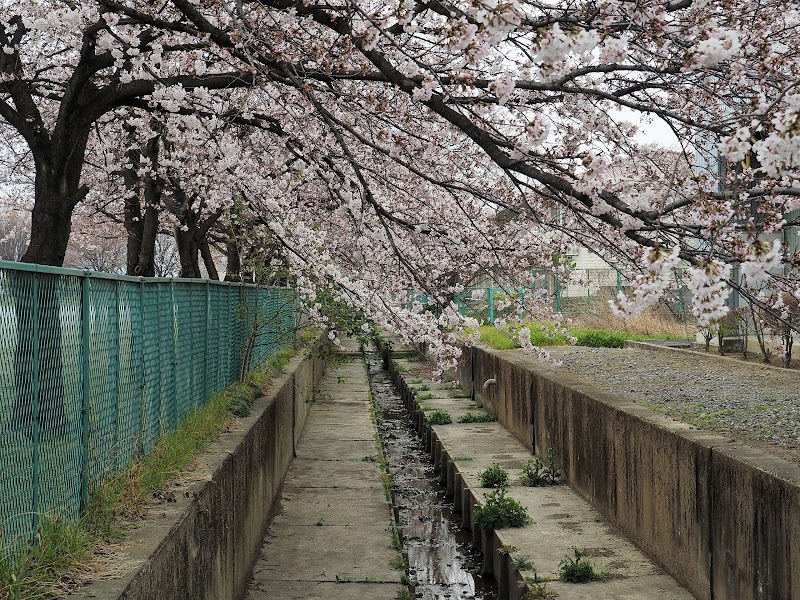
{"x": 64, "y": 67}
{"x": 536, "y": 88}
{"x": 400, "y": 130}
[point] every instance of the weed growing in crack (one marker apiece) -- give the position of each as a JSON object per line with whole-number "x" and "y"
{"x": 535, "y": 473}
{"x": 577, "y": 569}
{"x": 439, "y": 417}
{"x": 477, "y": 418}
{"x": 539, "y": 591}
{"x": 498, "y": 511}
{"x": 399, "y": 563}
{"x": 463, "y": 458}
{"x": 522, "y": 562}
{"x": 494, "y": 477}
{"x": 404, "y": 594}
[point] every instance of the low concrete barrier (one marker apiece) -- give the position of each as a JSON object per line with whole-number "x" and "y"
{"x": 722, "y": 518}
{"x": 203, "y": 545}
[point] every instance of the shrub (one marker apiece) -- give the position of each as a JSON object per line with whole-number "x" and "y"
{"x": 535, "y": 473}
{"x": 439, "y": 417}
{"x": 576, "y": 569}
{"x": 499, "y": 511}
{"x": 493, "y": 477}
{"x": 477, "y": 418}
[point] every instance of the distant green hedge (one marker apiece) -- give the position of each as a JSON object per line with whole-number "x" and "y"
{"x": 594, "y": 338}
{"x": 599, "y": 338}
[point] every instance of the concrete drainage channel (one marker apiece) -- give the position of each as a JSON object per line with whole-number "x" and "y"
{"x": 525, "y": 562}
{"x": 441, "y": 560}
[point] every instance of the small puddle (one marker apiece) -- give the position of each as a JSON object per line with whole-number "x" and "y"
{"x": 440, "y": 555}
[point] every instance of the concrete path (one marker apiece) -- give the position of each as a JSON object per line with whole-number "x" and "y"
{"x": 332, "y": 538}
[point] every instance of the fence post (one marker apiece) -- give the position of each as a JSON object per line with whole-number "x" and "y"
{"x": 558, "y": 296}
{"x": 490, "y": 300}
{"x": 142, "y": 412}
{"x": 85, "y": 332}
{"x": 115, "y": 444}
{"x": 160, "y": 361}
{"x": 35, "y": 401}
{"x": 174, "y": 399}
{"x": 205, "y": 335}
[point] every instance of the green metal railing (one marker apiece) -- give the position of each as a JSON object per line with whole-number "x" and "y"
{"x": 94, "y": 368}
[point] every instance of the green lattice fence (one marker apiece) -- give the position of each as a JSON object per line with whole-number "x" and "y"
{"x": 94, "y": 368}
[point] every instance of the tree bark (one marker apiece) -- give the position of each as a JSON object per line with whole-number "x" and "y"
{"x": 146, "y": 264}
{"x": 208, "y": 260}
{"x": 133, "y": 222}
{"x": 142, "y": 226}
{"x": 187, "y": 252}
{"x": 233, "y": 269}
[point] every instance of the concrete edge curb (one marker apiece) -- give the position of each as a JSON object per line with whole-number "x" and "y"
{"x": 701, "y": 354}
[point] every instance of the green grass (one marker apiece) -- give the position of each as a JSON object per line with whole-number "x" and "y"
{"x": 491, "y": 336}
{"x": 463, "y": 457}
{"x": 595, "y": 338}
{"x": 37, "y": 570}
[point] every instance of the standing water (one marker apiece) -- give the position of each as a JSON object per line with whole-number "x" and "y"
{"x": 440, "y": 558}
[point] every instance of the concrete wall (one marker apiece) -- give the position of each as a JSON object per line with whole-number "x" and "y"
{"x": 722, "y": 518}
{"x": 203, "y": 545}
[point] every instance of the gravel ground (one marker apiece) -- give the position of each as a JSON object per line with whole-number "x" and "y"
{"x": 745, "y": 401}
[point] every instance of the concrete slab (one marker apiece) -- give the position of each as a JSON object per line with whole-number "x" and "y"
{"x": 327, "y": 553}
{"x": 327, "y": 431}
{"x": 636, "y": 588}
{"x": 342, "y": 506}
{"x": 334, "y": 474}
{"x": 306, "y": 590}
{"x": 345, "y": 450}
{"x": 332, "y": 538}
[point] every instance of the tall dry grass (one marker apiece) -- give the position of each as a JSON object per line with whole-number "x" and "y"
{"x": 595, "y": 313}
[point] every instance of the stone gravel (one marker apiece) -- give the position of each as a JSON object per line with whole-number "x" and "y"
{"x": 746, "y": 401}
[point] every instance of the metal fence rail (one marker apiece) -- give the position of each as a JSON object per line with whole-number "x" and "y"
{"x": 94, "y": 368}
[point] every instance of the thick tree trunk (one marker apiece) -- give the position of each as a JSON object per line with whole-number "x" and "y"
{"x": 133, "y": 222}
{"x": 208, "y": 260}
{"x": 187, "y": 253}
{"x": 51, "y": 224}
{"x": 233, "y": 270}
{"x": 57, "y": 191}
{"x": 142, "y": 227}
{"x": 146, "y": 265}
